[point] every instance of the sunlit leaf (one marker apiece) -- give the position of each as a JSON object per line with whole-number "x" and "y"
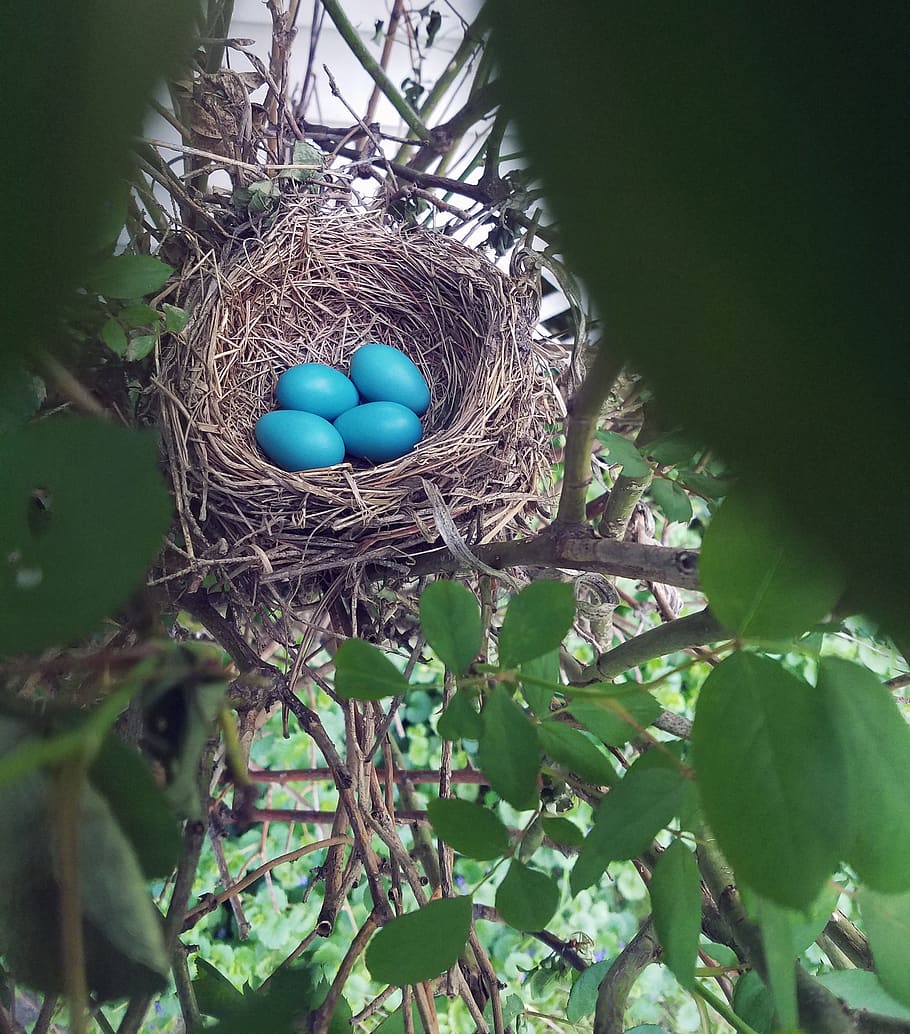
{"x": 469, "y": 828}
{"x": 75, "y": 495}
{"x": 771, "y": 777}
{"x": 526, "y": 898}
{"x": 450, "y": 619}
{"x": 508, "y": 750}
{"x": 536, "y": 621}
{"x": 420, "y": 945}
{"x": 364, "y": 672}
{"x": 675, "y": 891}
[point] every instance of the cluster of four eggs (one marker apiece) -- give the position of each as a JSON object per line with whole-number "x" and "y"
{"x": 323, "y": 418}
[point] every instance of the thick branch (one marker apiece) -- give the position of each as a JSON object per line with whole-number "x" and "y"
{"x": 638, "y": 954}
{"x": 579, "y": 551}
{"x": 692, "y": 630}
{"x": 584, "y": 411}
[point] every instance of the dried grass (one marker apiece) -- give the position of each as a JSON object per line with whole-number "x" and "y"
{"x": 319, "y": 282}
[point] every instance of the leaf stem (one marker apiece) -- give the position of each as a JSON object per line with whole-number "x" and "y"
{"x": 720, "y": 1006}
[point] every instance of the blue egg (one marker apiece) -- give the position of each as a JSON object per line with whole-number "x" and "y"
{"x": 316, "y": 388}
{"x": 379, "y": 431}
{"x": 299, "y": 441}
{"x": 384, "y": 374}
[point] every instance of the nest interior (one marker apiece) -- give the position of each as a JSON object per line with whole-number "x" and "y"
{"x": 312, "y": 287}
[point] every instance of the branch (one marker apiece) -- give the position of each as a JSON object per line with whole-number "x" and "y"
{"x": 692, "y": 630}
{"x": 638, "y": 954}
{"x": 320, "y": 1017}
{"x": 576, "y": 550}
{"x": 581, "y": 423}
{"x": 371, "y": 66}
{"x": 624, "y": 496}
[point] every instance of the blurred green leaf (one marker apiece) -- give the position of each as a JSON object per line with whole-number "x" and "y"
{"x": 875, "y": 739}
{"x": 508, "y": 750}
{"x": 675, "y": 891}
{"x": 536, "y": 622}
{"x": 671, "y": 498}
{"x": 753, "y": 1003}
{"x": 460, "y": 720}
{"x": 469, "y": 828}
{"x": 775, "y": 924}
{"x": 706, "y": 484}
{"x": 630, "y": 815}
{"x": 763, "y": 579}
{"x": 363, "y": 672}
{"x": 128, "y": 276}
{"x": 526, "y": 898}
{"x": 887, "y": 922}
{"x": 562, "y": 831}
{"x": 771, "y": 776}
{"x": 420, "y": 945}
{"x": 100, "y": 492}
{"x": 860, "y": 989}
{"x": 622, "y": 451}
{"x": 21, "y": 394}
{"x": 215, "y": 994}
{"x": 450, "y": 619}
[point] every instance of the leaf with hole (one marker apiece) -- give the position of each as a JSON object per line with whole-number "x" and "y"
{"x": 630, "y": 815}
{"x": 75, "y": 494}
{"x": 771, "y": 776}
{"x": 675, "y": 891}
{"x": 763, "y": 577}
{"x": 420, "y": 945}
{"x": 469, "y": 828}
{"x": 364, "y": 672}
{"x": 536, "y": 622}
{"x": 527, "y": 899}
{"x": 508, "y": 750}
{"x": 450, "y": 620}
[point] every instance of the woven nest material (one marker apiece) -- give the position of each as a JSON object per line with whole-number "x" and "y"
{"x": 312, "y": 288}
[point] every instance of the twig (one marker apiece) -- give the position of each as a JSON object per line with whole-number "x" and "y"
{"x": 321, "y": 1016}
{"x": 387, "y": 47}
{"x": 46, "y": 1014}
{"x": 186, "y": 995}
{"x": 640, "y": 952}
{"x": 584, "y": 411}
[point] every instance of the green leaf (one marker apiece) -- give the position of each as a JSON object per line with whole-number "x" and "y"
{"x": 753, "y": 1003}
{"x": 363, "y": 672}
{"x": 508, "y": 750}
{"x": 450, "y": 619}
{"x": 672, "y": 499}
{"x": 305, "y": 154}
{"x": 420, "y": 945}
{"x": 527, "y": 899}
{"x": 215, "y": 994}
{"x": 887, "y": 922}
{"x": 875, "y": 740}
{"x": 394, "y": 1024}
{"x": 547, "y": 669}
{"x": 175, "y": 318}
{"x": 576, "y": 752}
{"x": 136, "y": 801}
{"x": 114, "y": 336}
{"x": 583, "y": 996}
{"x": 675, "y": 890}
{"x": 776, "y": 926}
{"x": 531, "y": 841}
{"x": 141, "y": 346}
{"x": 630, "y": 815}
{"x": 128, "y": 276}
{"x": 620, "y": 713}
{"x": 763, "y": 578}
{"x": 21, "y": 395}
{"x": 512, "y": 1007}
{"x": 536, "y": 622}
{"x": 621, "y": 450}
{"x": 124, "y": 945}
{"x": 670, "y": 451}
{"x": 470, "y": 828}
{"x": 771, "y": 777}
{"x": 737, "y": 271}
{"x": 562, "y": 831}
{"x": 139, "y": 315}
{"x": 708, "y": 485}
{"x": 278, "y": 1009}
{"x": 460, "y": 720}
{"x": 860, "y": 989}
{"x": 75, "y": 493}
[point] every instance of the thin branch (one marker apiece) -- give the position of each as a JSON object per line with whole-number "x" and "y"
{"x": 584, "y": 411}
{"x": 692, "y": 630}
{"x": 614, "y": 989}
{"x": 623, "y": 498}
{"x": 321, "y": 1017}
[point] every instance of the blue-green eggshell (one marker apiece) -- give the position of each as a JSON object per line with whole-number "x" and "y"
{"x": 316, "y": 388}
{"x": 298, "y": 441}
{"x": 379, "y": 431}
{"x": 385, "y": 374}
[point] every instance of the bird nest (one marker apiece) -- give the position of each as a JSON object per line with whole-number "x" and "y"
{"x": 314, "y": 285}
